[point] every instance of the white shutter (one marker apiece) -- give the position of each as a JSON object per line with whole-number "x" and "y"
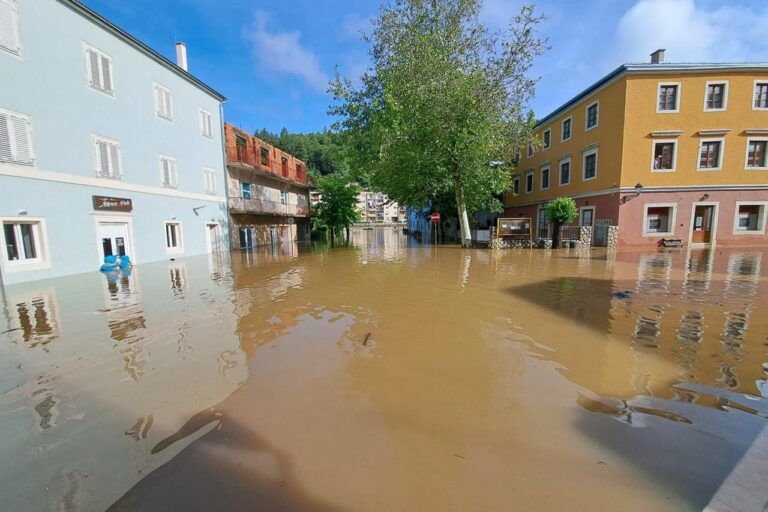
{"x": 174, "y": 174}
{"x": 106, "y": 74}
{"x": 158, "y": 100}
{"x": 102, "y": 157}
{"x": 209, "y": 124}
{"x": 168, "y": 104}
{"x": 164, "y": 170}
{"x": 114, "y": 160}
{"x": 9, "y": 36}
{"x": 21, "y": 134}
{"x": 93, "y": 68}
{"x": 6, "y": 154}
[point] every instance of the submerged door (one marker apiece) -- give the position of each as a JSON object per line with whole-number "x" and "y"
{"x": 113, "y": 239}
{"x": 214, "y": 238}
{"x": 702, "y": 224}
{"x": 246, "y": 238}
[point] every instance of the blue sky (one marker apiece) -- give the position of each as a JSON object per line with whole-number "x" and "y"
{"x": 273, "y": 59}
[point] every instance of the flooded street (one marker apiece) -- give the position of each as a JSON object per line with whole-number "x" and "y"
{"x": 386, "y": 376}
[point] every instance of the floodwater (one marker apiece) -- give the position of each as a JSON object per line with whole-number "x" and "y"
{"x": 386, "y": 376}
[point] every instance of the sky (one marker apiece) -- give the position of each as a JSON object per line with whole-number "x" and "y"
{"x": 273, "y": 59}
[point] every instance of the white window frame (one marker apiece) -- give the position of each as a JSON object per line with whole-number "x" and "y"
{"x": 156, "y": 90}
{"x": 533, "y": 180}
{"x": 179, "y": 249}
{"x": 284, "y": 197}
{"x": 209, "y": 180}
{"x": 16, "y": 27}
{"x": 569, "y": 161}
{"x": 754, "y": 89}
{"x": 42, "y": 259}
{"x": 544, "y": 146}
{"x": 674, "y": 154}
{"x": 548, "y": 167}
{"x": 761, "y": 221}
{"x": 594, "y": 214}
{"x": 206, "y": 131}
{"x": 562, "y": 124}
{"x": 672, "y": 219}
{"x": 586, "y": 116}
{"x": 726, "y": 89}
{"x": 677, "y": 97}
{"x": 12, "y": 137}
{"x": 174, "y": 171}
{"x": 516, "y": 178}
{"x": 746, "y": 154}
{"x": 88, "y": 74}
{"x": 719, "y": 157}
{"x": 97, "y": 157}
{"x": 584, "y": 156}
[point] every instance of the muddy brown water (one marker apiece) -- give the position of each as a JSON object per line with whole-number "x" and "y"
{"x": 387, "y": 376}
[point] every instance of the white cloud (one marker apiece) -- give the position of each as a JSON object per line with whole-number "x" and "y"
{"x": 691, "y": 33}
{"x": 283, "y": 52}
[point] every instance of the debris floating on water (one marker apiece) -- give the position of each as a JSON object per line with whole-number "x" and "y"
{"x": 365, "y": 341}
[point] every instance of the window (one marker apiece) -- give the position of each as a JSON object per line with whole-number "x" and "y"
{"x": 9, "y": 28}
{"x": 15, "y": 138}
{"x": 592, "y": 116}
{"x": 590, "y": 165}
{"x": 99, "y": 67}
{"x": 756, "y": 154}
{"x": 246, "y": 190}
{"x": 545, "y": 178}
{"x": 547, "y": 138}
{"x": 209, "y": 181}
{"x": 716, "y": 96}
{"x": 529, "y": 182}
{"x": 565, "y": 172}
{"x": 664, "y": 155}
{"x": 761, "y": 96}
{"x": 285, "y": 167}
{"x": 169, "y": 172}
{"x": 516, "y": 185}
{"x": 206, "y": 123}
{"x": 566, "y": 129}
{"x": 750, "y": 218}
{"x": 299, "y": 172}
{"x": 283, "y": 197}
{"x": 108, "y": 161}
{"x": 173, "y": 237}
{"x": 240, "y": 146}
{"x": 264, "y": 156}
{"x": 659, "y": 219}
{"x": 710, "y": 154}
{"x": 669, "y": 97}
{"x": 586, "y": 216}
{"x": 530, "y": 150}
{"x": 163, "y": 103}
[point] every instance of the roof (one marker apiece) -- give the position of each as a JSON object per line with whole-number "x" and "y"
{"x": 651, "y": 69}
{"x": 87, "y": 12}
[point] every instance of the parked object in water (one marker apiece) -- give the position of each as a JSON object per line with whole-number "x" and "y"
{"x": 110, "y": 263}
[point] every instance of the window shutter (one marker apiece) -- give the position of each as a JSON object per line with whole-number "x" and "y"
{"x": 114, "y": 160}
{"x": 158, "y": 101}
{"x": 106, "y": 74}
{"x": 8, "y": 35}
{"x": 166, "y": 172}
{"x": 174, "y": 173}
{"x": 168, "y": 104}
{"x": 93, "y": 65}
{"x": 5, "y": 138}
{"x": 22, "y": 138}
{"x": 103, "y": 157}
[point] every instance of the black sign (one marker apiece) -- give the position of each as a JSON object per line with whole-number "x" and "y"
{"x": 112, "y": 204}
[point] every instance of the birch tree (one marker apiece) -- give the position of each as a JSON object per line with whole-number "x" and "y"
{"x": 444, "y": 98}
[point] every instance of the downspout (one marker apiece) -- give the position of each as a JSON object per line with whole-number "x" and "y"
{"x": 225, "y": 182}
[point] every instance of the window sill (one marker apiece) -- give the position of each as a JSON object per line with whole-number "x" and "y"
{"x": 109, "y": 94}
{"x": 108, "y": 177}
{"x": 667, "y": 111}
{"x": 663, "y": 170}
{"x": 14, "y": 266}
{"x": 173, "y": 187}
{"x": 708, "y": 169}
{"x": 749, "y": 232}
{"x": 756, "y": 168}
{"x": 174, "y": 251}
{"x": 163, "y": 118}
{"x": 590, "y": 128}
{"x": 589, "y": 179}
{"x": 564, "y": 184}
{"x": 715, "y": 110}
{"x": 17, "y": 162}
{"x": 653, "y": 234}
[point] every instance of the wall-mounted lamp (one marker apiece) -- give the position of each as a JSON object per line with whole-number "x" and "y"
{"x": 198, "y": 208}
{"x": 638, "y": 191}
{"x": 705, "y": 197}
{"x": 23, "y": 212}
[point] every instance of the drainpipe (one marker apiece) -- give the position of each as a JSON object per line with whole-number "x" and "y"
{"x": 225, "y": 183}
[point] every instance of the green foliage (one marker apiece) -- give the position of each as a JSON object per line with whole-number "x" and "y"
{"x": 562, "y": 210}
{"x": 338, "y": 207}
{"x": 322, "y": 151}
{"x": 444, "y": 98}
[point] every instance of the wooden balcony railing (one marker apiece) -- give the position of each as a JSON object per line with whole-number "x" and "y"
{"x": 261, "y": 206}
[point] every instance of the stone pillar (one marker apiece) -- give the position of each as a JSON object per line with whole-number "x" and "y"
{"x": 585, "y": 237}
{"x": 612, "y": 239}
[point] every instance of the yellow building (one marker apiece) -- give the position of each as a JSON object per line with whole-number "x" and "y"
{"x": 664, "y": 151}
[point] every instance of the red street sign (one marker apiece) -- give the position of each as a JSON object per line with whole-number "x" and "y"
{"x": 435, "y": 217}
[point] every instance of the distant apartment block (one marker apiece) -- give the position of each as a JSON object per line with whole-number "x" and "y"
{"x": 377, "y": 208}
{"x": 664, "y": 151}
{"x": 268, "y": 192}
{"x": 106, "y": 147}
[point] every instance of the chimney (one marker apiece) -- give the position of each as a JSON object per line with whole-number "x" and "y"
{"x": 657, "y": 57}
{"x": 181, "y": 56}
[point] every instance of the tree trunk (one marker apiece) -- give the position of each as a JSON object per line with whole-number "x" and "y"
{"x": 466, "y": 235}
{"x": 555, "y": 234}
{"x": 347, "y": 234}
{"x": 333, "y": 233}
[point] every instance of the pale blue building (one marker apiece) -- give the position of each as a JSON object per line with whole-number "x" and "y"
{"x": 106, "y": 146}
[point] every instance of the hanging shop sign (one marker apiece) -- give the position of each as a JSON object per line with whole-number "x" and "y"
{"x": 112, "y": 204}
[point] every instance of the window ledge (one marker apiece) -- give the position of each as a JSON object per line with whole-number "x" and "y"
{"x": 717, "y": 131}
{"x": 708, "y": 169}
{"x": 756, "y": 131}
{"x": 15, "y": 266}
{"x": 667, "y": 133}
{"x": 748, "y": 232}
{"x": 756, "y": 168}
{"x": 652, "y": 234}
{"x": 663, "y": 170}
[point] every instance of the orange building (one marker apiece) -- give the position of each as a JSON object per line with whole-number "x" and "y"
{"x": 267, "y": 192}
{"x": 663, "y": 151}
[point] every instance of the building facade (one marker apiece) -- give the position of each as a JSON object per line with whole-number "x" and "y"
{"x": 268, "y": 192}
{"x": 664, "y": 151}
{"x": 376, "y": 208}
{"x": 106, "y": 147}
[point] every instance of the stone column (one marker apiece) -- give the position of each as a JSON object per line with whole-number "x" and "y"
{"x": 612, "y": 239}
{"x": 585, "y": 237}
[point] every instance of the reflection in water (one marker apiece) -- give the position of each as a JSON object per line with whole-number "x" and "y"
{"x": 334, "y": 378}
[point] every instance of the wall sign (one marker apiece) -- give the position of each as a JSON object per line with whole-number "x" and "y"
{"x": 112, "y": 204}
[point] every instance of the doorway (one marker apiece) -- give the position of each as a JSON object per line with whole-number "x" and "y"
{"x": 246, "y": 238}
{"x": 586, "y": 216}
{"x": 702, "y": 224}
{"x": 113, "y": 239}
{"x": 213, "y": 232}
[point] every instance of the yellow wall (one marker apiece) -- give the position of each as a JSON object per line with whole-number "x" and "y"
{"x": 642, "y": 119}
{"x": 607, "y": 135}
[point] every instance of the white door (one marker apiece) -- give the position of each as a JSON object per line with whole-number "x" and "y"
{"x": 113, "y": 239}
{"x": 214, "y": 238}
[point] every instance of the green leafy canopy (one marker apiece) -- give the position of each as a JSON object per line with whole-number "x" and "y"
{"x": 562, "y": 210}
{"x": 338, "y": 206}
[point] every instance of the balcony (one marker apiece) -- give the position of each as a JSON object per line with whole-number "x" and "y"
{"x": 264, "y": 207}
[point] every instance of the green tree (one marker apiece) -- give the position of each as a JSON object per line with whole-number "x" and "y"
{"x": 337, "y": 209}
{"x": 560, "y": 211}
{"x": 443, "y": 99}
{"x": 321, "y": 151}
